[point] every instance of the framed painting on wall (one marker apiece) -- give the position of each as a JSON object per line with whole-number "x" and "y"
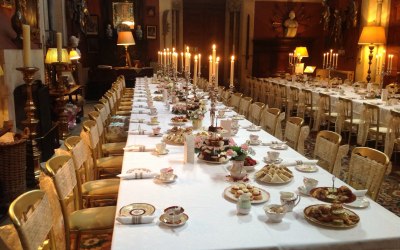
{"x": 151, "y": 11}
{"x": 151, "y": 32}
{"x": 31, "y": 15}
{"x": 92, "y": 27}
{"x": 7, "y": 4}
{"x": 122, "y": 11}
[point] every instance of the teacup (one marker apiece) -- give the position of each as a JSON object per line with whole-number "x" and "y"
{"x": 289, "y": 200}
{"x": 309, "y": 183}
{"x": 166, "y": 173}
{"x": 173, "y": 214}
{"x": 254, "y": 138}
{"x": 153, "y": 111}
{"x": 156, "y": 130}
{"x": 161, "y": 147}
{"x": 154, "y": 119}
{"x": 221, "y": 113}
{"x": 235, "y": 124}
{"x": 273, "y": 155}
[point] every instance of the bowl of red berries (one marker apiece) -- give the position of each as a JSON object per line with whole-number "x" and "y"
{"x": 249, "y": 163}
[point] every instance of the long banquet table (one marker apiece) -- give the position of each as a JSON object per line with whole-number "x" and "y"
{"x": 213, "y": 221}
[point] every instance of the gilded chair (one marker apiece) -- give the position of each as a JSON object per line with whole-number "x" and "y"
{"x": 255, "y": 111}
{"x": 94, "y": 192}
{"x": 292, "y": 131}
{"x": 245, "y": 103}
{"x": 392, "y": 141}
{"x": 77, "y": 221}
{"x": 326, "y": 149}
{"x": 376, "y": 131}
{"x": 310, "y": 110}
{"x": 226, "y": 94}
{"x": 293, "y": 101}
{"x": 367, "y": 169}
{"x": 235, "y": 101}
{"x": 346, "y": 120}
{"x": 104, "y": 167}
{"x": 31, "y": 215}
{"x": 325, "y": 114}
{"x": 271, "y": 119}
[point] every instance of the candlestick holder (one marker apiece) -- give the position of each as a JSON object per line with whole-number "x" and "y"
{"x": 60, "y": 91}
{"x": 31, "y": 121}
{"x": 384, "y": 72}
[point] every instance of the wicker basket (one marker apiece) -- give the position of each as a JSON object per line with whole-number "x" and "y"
{"x": 12, "y": 170}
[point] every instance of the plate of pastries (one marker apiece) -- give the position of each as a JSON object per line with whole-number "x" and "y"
{"x": 331, "y": 215}
{"x": 257, "y": 195}
{"x": 333, "y": 195}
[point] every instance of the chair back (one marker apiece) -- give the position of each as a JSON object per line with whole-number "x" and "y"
{"x": 245, "y": 105}
{"x": 255, "y": 112}
{"x": 235, "y": 101}
{"x": 91, "y": 136}
{"x": 31, "y": 215}
{"x": 226, "y": 96}
{"x": 293, "y": 101}
{"x": 292, "y": 131}
{"x": 367, "y": 169}
{"x": 101, "y": 108}
{"x": 263, "y": 91}
{"x": 270, "y": 120}
{"x": 326, "y": 148}
{"x": 393, "y": 133}
{"x": 81, "y": 156}
{"x": 96, "y": 116}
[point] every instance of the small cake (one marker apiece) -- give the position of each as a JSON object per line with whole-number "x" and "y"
{"x": 256, "y": 193}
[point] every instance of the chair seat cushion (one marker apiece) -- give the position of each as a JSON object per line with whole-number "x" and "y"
{"x": 382, "y": 130}
{"x": 93, "y": 218}
{"x": 126, "y": 103}
{"x": 112, "y": 138}
{"x": 110, "y": 162}
{"x": 115, "y": 148}
{"x": 124, "y": 112}
{"x": 100, "y": 187}
{"x": 124, "y": 108}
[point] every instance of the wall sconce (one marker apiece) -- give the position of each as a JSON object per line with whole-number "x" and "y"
{"x": 125, "y": 38}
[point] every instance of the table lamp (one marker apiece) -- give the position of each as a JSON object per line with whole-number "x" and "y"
{"x": 51, "y": 56}
{"x": 125, "y": 38}
{"x": 300, "y": 52}
{"x": 74, "y": 55}
{"x": 371, "y": 36}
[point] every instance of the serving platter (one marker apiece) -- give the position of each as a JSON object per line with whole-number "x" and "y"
{"x": 327, "y": 194}
{"x": 307, "y": 212}
{"x": 264, "y": 196}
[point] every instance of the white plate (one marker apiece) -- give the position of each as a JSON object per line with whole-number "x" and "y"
{"x": 277, "y": 147}
{"x": 153, "y": 123}
{"x": 264, "y": 194}
{"x": 172, "y": 179}
{"x": 307, "y": 168}
{"x": 158, "y": 135}
{"x": 360, "y": 202}
{"x": 237, "y": 117}
{"x": 182, "y": 221}
{"x": 253, "y": 129}
{"x": 277, "y": 161}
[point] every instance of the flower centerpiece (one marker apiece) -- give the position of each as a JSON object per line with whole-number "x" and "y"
{"x": 239, "y": 153}
{"x": 197, "y": 117}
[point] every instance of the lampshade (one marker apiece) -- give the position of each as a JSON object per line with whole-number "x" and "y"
{"x": 1, "y": 71}
{"x": 73, "y": 55}
{"x": 51, "y": 56}
{"x": 125, "y": 38}
{"x": 301, "y": 51}
{"x": 131, "y": 24}
{"x": 372, "y": 35}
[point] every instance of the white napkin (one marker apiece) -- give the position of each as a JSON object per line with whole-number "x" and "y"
{"x": 140, "y": 106}
{"x": 141, "y": 219}
{"x": 298, "y": 162}
{"x": 360, "y": 193}
{"x": 140, "y": 112}
{"x": 138, "y": 133}
{"x": 138, "y": 148}
{"x": 137, "y": 121}
{"x": 137, "y": 175}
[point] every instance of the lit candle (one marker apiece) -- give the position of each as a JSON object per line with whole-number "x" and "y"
{"x": 216, "y": 72}
{"x": 195, "y": 70}
{"x": 26, "y": 52}
{"x": 189, "y": 55}
{"x": 337, "y": 57}
{"x": 214, "y": 56}
{"x": 289, "y": 58}
{"x": 331, "y": 58}
{"x": 59, "y": 47}
{"x": 232, "y": 70}
{"x": 187, "y": 49}
{"x": 165, "y": 58}
{"x": 199, "y": 64}
{"x": 210, "y": 70}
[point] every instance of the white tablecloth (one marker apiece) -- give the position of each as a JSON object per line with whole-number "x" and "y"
{"x": 213, "y": 221}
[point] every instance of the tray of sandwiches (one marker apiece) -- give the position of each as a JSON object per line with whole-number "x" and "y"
{"x": 274, "y": 174}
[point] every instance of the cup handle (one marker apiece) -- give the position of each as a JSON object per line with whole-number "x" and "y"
{"x": 298, "y": 200}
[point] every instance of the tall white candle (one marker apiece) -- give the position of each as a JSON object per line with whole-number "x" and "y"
{"x": 165, "y": 58}
{"x": 199, "y": 64}
{"x": 331, "y": 58}
{"x": 189, "y": 56}
{"x": 210, "y": 70}
{"x": 195, "y": 70}
{"x": 26, "y": 46}
{"x": 214, "y": 57}
{"x": 216, "y": 72}
{"x": 182, "y": 66}
{"x": 337, "y": 59}
{"x": 232, "y": 70}
{"x": 323, "y": 61}
{"x": 59, "y": 47}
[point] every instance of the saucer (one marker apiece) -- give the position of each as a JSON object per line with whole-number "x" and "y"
{"x": 277, "y": 161}
{"x": 172, "y": 179}
{"x": 360, "y": 202}
{"x": 157, "y": 135}
{"x": 153, "y": 123}
{"x": 182, "y": 220}
{"x": 163, "y": 153}
{"x": 302, "y": 190}
{"x": 279, "y": 147}
{"x": 254, "y": 129}
{"x": 254, "y": 143}
{"x": 221, "y": 117}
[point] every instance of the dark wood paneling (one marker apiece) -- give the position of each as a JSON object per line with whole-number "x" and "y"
{"x": 204, "y": 25}
{"x": 393, "y": 39}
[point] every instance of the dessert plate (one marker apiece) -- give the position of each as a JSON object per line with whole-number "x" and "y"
{"x": 182, "y": 220}
{"x": 277, "y": 161}
{"x": 254, "y": 143}
{"x": 137, "y": 209}
{"x": 279, "y": 147}
{"x": 307, "y": 168}
{"x": 264, "y": 195}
